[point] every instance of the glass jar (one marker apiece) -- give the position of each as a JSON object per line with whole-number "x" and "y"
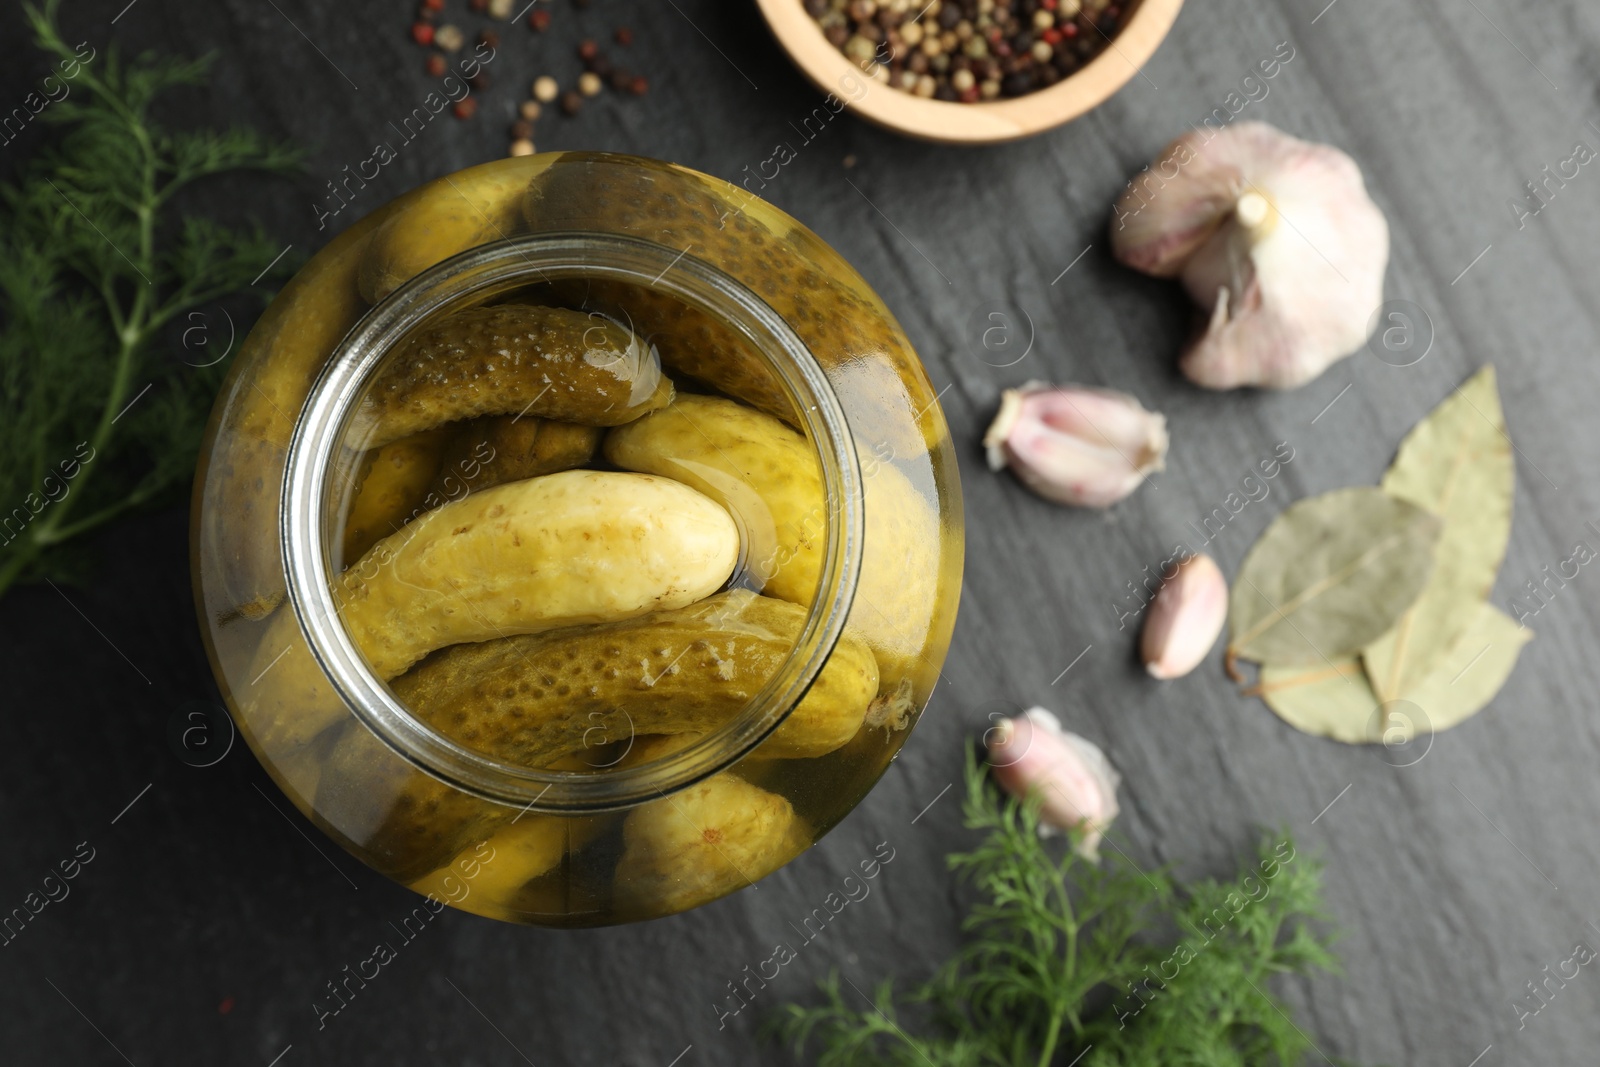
{"x": 634, "y": 652}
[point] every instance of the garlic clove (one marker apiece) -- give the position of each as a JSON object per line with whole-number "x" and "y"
{"x": 1185, "y": 618}
{"x": 1289, "y": 263}
{"x": 1076, "y": 784}
{"x": 1074, "y": 444}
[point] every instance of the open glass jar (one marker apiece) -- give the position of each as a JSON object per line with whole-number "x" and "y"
{"x": 577, "y": 539}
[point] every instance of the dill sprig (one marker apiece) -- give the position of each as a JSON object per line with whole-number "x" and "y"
{"x": 95, "y": 262}
{"x": 1101, "y": 965}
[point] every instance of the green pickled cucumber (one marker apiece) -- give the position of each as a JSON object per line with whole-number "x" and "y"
{"x": 532, "y": 699}
{"x": 843, "y": 325}
{"x": 512, "y": 359}
{"x": 496, "y": 449}
{"x": 407, "y": 823}
{"x": 392, "y": 485}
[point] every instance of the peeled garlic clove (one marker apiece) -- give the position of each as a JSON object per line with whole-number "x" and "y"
{"x": 1185, "y": 618}
{"x": 1032, "y": 755}
{"x": 1276, "y": 238}
{"x": 1076, "y": 445}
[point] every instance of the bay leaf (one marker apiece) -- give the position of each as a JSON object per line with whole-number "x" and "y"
{"x": 1330, "y": 576}
{"x": 1338, "y": 702}
{"x": 1456, "y": 463}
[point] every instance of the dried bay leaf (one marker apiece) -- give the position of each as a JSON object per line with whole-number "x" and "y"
{"x": 1330, "y": 576}
{"x": 1456, "y": 463}
{"x": 1337, "y": 702}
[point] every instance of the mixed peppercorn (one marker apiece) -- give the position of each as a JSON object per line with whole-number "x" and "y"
{"x": 598, "y": 70}
{"x": 969, "y": 50}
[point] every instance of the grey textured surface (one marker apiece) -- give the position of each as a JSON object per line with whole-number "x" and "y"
{"x": 1457, "y": 878}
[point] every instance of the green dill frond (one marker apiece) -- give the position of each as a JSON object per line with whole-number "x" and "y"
{"x": 96, "y": 258}
{"x": 1063, "y": 962}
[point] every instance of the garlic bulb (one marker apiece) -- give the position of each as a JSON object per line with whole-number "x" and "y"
{"x": 1075, "y": 783}
{"x": 1076, "y": 445}
{"x": 1275, "y": 238}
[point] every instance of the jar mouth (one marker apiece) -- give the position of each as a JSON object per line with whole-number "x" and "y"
{"x": 310, "y": 493}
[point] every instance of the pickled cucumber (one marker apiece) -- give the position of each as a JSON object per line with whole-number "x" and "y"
{"x": 566, "y": 549}
{"x": 750, "y": 240}
{"x": 496, "y": 449}
{"x": 512, "y": 359}
{"x": 769, "y": 478}
{"x": 243, "y": 472}
{"x": 407, "y": 823}
{"x": 531, "y": 699}
{"x": 512, "y": 856}
{"x": 767, "y": 475}
{"x": 716, "y": 836}
{"x": 442, "y": 219}
{"x": 392, "y": 486}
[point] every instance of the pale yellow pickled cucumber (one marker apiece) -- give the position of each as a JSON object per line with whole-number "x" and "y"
{"x": 709, "y": 839}
{"x": 512, "y": 359}
{"x": 442, "y": 219}
{"x": 392, "y": 486}
{"x": 509, "y": 858}
{"x": 769, "y": 477}
{"x": 531, "y": 699}
{"x": 562, "y": 550}
{"x": 763, "y": 472}
{"x": 496, "y": 449}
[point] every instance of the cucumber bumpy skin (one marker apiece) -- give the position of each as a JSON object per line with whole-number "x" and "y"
{"x": 566, "y": 549}
{"x": 497, "y": 449}
{"x": 512, "y": 359}
{"x": 530, "y": 700}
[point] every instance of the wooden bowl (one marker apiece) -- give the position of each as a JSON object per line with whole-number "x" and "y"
{"x": 987, "y": 122}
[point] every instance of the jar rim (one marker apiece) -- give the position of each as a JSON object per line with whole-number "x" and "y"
{"x": 320, "y": 432}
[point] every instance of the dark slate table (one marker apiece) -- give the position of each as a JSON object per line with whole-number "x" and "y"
{"x": 210, "y": 915}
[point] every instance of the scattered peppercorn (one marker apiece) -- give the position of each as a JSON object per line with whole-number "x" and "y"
{"x": 571, "y": 102}
{"x": 546, "y": 89}
{"x": 450, "y": 38}
{"x": 539, "y": 20}
{"x": 623, "y": 36}
{"x": 522, "y": 147}
{"x": 422, "y": 33}
{"x": 479, "y": 6}
{"x": 969, "y": 50}
{"x": 433, "y": 5}
{"x": 479, "y": 81}
{"x": 589, "y": 83}
{"x": 437, "y": 66}
{"x": 500, "y": 9}
{"x": 529, "y": 110}
{"x": 587, "y": 50}
{"x": 489, "y": 39}
{"x": 639, "y": 86}
{"x": 521, "y": 130}
{"x": 465, "y": 108}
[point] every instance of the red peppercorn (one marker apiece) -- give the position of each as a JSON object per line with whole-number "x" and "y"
{"x": 465, "y": 109}
{"x": 539, "y": 20}
{"x": 639, "y": 86}
{"x": 433, "y": 5}
{"x": 479, "y": 6}
{"x": 1070, "y": 30}
{"x": 1051, "y": 36}
{"x": 422, "y": 33}
{"x": 437, "y": 66}
{"x": 624, "y": 36}
{"x": 588, "y": 50}
{"x": 970, "y": 96}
